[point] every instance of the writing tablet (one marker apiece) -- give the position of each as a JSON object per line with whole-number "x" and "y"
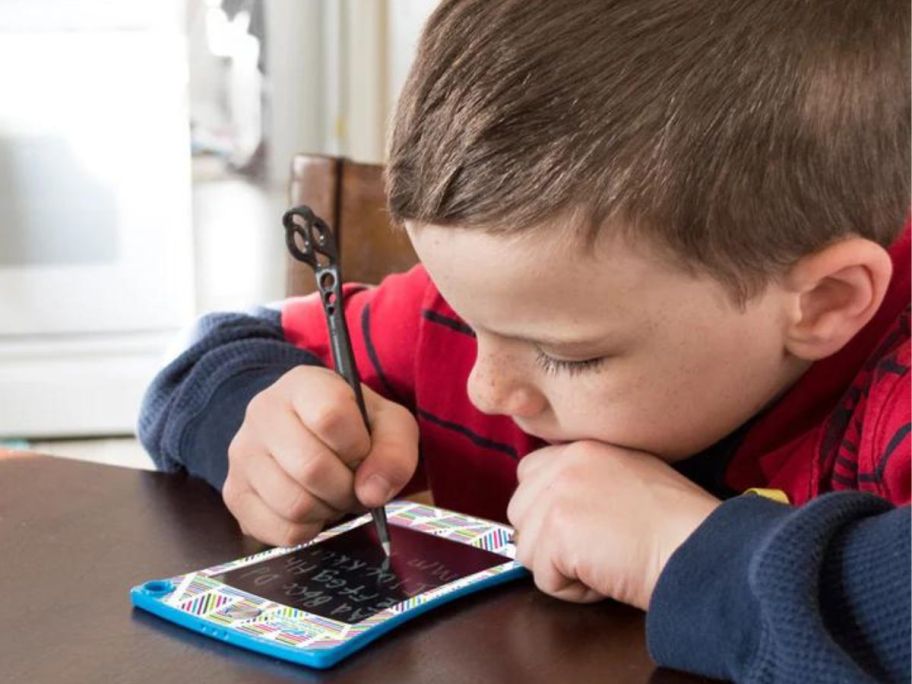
{"x": 319, "y": 602}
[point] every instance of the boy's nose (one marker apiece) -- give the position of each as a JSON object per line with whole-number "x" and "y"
{"x": 496, "y": 389}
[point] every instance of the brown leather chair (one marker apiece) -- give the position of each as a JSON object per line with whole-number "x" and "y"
{"x": 350, "y": 197}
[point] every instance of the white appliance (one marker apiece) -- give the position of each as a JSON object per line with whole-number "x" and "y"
{"x": 96, "y": 259}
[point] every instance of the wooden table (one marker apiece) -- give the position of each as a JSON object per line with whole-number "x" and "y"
{"x": 74, "y": 537}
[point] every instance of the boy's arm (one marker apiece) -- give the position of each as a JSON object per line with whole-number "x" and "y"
{"x": 195, "y": 405}
{"x": 766, "y": 592}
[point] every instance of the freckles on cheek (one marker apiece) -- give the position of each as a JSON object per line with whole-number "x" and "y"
{"x": 586, "y": 412}
{"x": 678, "y": 401}
{"x": 635, "y": 412}
{"x": 489, "y": 378}
{"x": 478, "y": 387}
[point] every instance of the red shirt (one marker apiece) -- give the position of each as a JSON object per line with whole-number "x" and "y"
{"x": 845, "y": 423}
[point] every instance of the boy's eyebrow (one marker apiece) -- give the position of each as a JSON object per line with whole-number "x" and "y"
{"x": 548, "y": 341}
{"x": 555, "y": 342}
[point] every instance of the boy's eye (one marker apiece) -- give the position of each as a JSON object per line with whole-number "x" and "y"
{"x": 553, "y": 366}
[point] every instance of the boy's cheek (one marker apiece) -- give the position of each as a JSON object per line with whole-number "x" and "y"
{"x": 672, "y": 405}
{"x": 669, "y": 428}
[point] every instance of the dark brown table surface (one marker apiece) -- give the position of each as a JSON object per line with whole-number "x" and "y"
{"x": 74, "y": 537}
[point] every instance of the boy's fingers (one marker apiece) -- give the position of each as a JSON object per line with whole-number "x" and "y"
{"x": 311, "y": 464}
{"x": 394, "y": 452}
{"x": 530, "y": 493}
{"x": 258, "y": 521}
{"x": 542, "y": 458}
{"x": 527, "y": 540}
{"x": 285, "y": 497}
{"x": 329, "y": 410}
{"x": 552, "y": 581}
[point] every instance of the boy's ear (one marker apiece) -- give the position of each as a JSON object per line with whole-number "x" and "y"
{"x": 835, "y": 292}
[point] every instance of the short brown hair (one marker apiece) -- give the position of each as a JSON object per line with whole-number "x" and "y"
{"x": 740, "y": 134}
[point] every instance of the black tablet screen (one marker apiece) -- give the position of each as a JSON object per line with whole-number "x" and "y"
{"x": 348, "y": 577}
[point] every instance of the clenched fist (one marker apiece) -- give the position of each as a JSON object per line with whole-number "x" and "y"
{"x": 303, "y": 457}
{"x": 597, "y": 521}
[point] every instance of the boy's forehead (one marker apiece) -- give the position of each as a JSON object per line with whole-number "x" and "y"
{"x": 528, "y": 279}
{"x": 536, "y": 257}
{"x": 467, "y": 256}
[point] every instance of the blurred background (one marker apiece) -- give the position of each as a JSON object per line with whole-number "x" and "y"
{"x": 144, "y": 168}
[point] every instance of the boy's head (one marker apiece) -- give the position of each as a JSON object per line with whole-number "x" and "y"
{"x": 695, "y": 192}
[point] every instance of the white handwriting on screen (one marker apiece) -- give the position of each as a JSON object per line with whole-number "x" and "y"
{"x": 323, "y": 576}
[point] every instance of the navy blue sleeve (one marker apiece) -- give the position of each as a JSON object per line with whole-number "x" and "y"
{"x": 195, "y": 405}
{"x": 764, "y": 592}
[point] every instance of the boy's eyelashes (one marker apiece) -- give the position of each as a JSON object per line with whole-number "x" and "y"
{"x": 553, "y": 366}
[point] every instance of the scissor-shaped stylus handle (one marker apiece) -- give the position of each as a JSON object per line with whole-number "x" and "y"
{"x": 315, "y": 236}
{"x": 310, "y": 239}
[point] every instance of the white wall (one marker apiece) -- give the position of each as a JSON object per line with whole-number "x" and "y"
{"x": 337, "y": 67}
{"x": 95, "y": 231}
{"x": 406, "y": 19}
{"x": 297, "y": 113}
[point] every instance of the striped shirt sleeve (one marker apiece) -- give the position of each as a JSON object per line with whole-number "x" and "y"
{"x": 196, "y": 403}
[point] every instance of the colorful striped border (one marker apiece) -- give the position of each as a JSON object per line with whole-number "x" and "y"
{"x": 200, "y": 595}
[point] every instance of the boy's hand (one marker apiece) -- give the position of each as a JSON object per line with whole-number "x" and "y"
{"x": 596, "y": 521}
{"x": 303, "y": 457}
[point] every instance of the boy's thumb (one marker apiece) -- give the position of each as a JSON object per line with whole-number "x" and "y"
{"x": 393, "y": 455}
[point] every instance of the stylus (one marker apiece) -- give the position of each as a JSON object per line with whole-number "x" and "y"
{"x": 313, "y": 242}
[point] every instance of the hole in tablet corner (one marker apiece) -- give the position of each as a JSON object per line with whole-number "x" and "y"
{"x": 158, "y": 587}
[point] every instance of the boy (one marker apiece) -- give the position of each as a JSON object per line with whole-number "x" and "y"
{"x": 658, "y": 239}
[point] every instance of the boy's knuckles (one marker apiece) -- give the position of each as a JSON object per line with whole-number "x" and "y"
{"x": 238, "y": 446}
{"x": 328, "y": 386}
{"x": 262, "y": 404}
{"x": 577, "y": 452}
{"x": 545, "y": 582}
{"x": 305, "y": 468}
{"x": 292, "y": 534}
{"x": 303, "y": 376}
{"x": 529, "y": 466}
{"x": 230, "y": 494}
{"x": 401, "y": 417}
{"x": 309, "y": 469}
{"x": 511, "y": 512}
{"x": 297, "y": 374}
{"x": 299, "y": 507}
{"x": 524, "y": 553}
{"x": 234, "y": 451}
{"x": 330, "y": 418}
{"x": 284, "y": 539}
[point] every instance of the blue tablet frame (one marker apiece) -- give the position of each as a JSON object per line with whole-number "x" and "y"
{"x": 158, "y": 596}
